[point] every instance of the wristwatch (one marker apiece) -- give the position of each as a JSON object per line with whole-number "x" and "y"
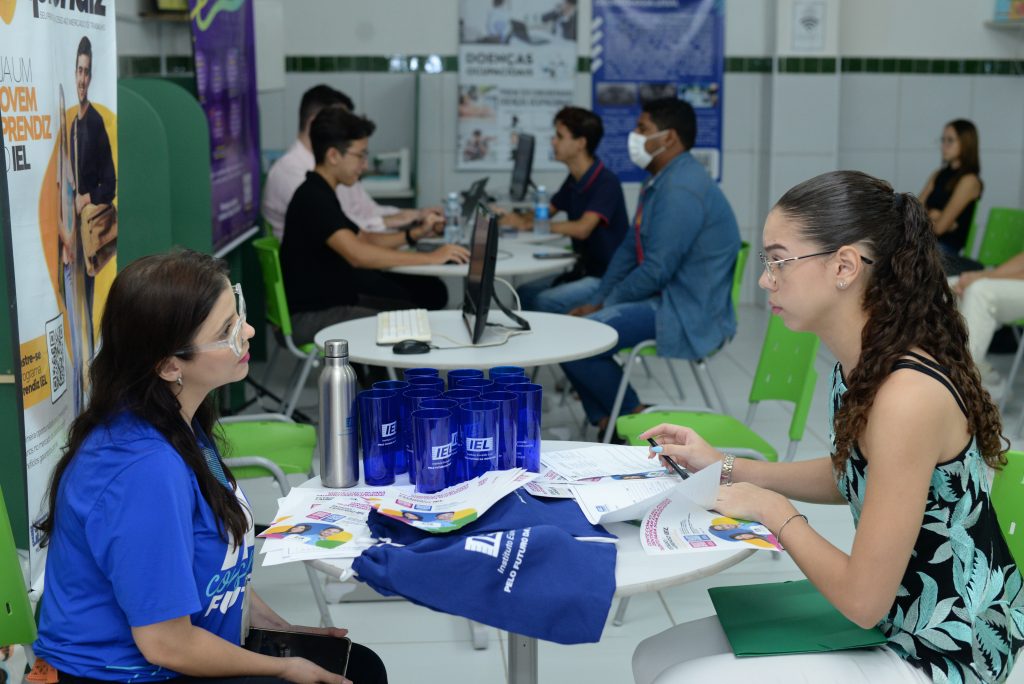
{"x": 727, "y": 469}
{"x": 409, "y": 239}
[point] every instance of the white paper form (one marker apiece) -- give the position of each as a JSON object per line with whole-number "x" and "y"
{"x": 604, "y": 460}
{"x": 618, "y": 500}
{"x": 681, "y": 523}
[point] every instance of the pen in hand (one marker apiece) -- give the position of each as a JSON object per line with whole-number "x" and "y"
{"x": 658, "y": 449}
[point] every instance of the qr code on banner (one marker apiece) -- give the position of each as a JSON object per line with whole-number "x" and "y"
{"x": 57, "y": 352}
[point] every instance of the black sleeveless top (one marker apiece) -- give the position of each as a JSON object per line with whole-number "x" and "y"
{"x": 959, "y": 610}
{"x": 939, "y": 198}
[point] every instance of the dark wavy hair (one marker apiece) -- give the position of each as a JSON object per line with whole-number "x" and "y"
{"x": 155, "y": 307}
{"x": 908, "y": 302}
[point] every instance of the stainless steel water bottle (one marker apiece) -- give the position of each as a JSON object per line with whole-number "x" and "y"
{"x": 339, "y": 455}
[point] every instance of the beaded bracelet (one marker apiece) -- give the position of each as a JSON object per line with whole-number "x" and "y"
{"x": 779, "y": 535}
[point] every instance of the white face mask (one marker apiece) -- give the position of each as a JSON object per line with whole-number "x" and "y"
{"x": 638, "y": 154}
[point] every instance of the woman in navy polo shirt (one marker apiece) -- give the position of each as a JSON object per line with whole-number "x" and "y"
{"x": 150, "y": 539}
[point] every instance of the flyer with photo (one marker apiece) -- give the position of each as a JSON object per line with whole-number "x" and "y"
{"x": 454, "y": 507}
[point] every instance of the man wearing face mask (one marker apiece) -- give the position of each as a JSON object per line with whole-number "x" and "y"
{"x": 671, "y": 277}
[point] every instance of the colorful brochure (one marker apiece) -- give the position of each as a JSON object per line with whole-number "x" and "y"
{"x": 454, "y": 507}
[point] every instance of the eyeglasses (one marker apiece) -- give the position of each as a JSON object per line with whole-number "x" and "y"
{"x": 364, "y": 155}
{"x": 233, "y": 339}
{"x": 773, "y": 268}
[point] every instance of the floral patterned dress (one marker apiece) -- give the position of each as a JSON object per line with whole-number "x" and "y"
{"x": 959, "y": 610}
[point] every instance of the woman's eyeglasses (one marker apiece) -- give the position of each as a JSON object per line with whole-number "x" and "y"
{"x": 233, "y": 340}
{"x": 773, "y": 267}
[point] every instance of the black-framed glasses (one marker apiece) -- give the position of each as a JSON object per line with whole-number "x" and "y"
{"x": 773, "y": 265}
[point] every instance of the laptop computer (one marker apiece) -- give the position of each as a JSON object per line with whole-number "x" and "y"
{"x": 520, "y": 32}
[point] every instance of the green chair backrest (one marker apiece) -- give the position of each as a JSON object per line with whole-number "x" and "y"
{"x": 1008, "y": 500}
{"x": 737, "y": 275}
{"x": 785, "y": 372}
{"x": 268, "y": 250}
{"x": 1004, "y": 236}
{"x": 972, "y": 234}
{"x": 17, "y": 625}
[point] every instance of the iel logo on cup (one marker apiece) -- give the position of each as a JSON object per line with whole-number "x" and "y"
{"x": 479, "y": 444}
{"x": 388, "y": 431}
{"x": 441, "y": 454}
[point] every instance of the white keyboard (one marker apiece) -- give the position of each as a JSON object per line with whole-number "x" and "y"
{"x": 406, "y": 324}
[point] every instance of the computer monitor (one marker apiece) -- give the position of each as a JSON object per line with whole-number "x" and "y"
{"x": 479, "y": 287}
{"x": 472, "y": 197}
{"x": 521, "y": 170}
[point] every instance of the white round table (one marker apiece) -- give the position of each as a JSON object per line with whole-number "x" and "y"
{"x": 636, "y": 572}
{"x": 553, "y": 338}
{"x": 515, "y": 260}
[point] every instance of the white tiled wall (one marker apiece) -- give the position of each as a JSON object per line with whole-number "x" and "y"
{"x": 890, "y": 126}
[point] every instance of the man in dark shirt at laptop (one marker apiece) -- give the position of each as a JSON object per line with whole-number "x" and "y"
{"x": 330, "y": 267}
{"x": 591, "y": 197}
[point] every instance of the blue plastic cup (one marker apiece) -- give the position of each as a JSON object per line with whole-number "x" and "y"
{"x": 426, "y": 381}
{"x": 506, "y": 370}
{"x": 460, "y": 395}
{"x": 420, "y": 373}
{"x": 478, "y": 384}
{"x": 432, "y": 446}
{"x": 440, "y": 403}
{"x": 528, "y": 425}
{"x": 503, "y": 381}
{"x": 401, "y": 463}
{"x": 411, "y": 399}
{"x": 508, "y": 405}
{"x": 478, "y": 433}
{"x": 459, "y": 374}
{"x": 378, "y": 431}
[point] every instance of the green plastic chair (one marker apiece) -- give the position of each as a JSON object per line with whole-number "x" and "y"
{"x": 270, "y": 445}
{"x": 1008, "y": 500}
{"x": 649, "y": 348}
{"x": 1004, "y": 236}
{"x": 268, "y": 250}
{"x": 785, "y": 372}
{"x": 17, "y": 624}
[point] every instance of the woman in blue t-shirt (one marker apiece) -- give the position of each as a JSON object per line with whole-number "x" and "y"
{"x": 150, "y": 540}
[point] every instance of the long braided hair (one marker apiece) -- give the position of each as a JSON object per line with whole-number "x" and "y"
{"x": 908, "y": 301}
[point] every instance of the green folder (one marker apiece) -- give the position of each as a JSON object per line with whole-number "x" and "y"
{"x": 786, "y": 617}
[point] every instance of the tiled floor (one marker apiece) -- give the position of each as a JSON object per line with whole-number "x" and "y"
{"x": 419, "y": 645}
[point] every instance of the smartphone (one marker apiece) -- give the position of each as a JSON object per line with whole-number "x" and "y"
{"x": 330, "y": 653}
{"x": 553, "y": 255}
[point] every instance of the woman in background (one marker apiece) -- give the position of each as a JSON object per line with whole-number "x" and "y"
{"x": 952, "y": 192}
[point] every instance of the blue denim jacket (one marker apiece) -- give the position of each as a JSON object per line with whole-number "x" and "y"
{"x": 690, "y": 241}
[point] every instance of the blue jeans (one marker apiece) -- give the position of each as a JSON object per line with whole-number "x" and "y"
{"x": 597, "y": 378}
{"x": 539, "y": 295}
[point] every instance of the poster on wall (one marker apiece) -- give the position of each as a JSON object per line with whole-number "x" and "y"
{"x": 58, "y": 103}
{"x": 648, "y": 49}
{"x": 517, "y": 68}
{"x": 223, "y": 44}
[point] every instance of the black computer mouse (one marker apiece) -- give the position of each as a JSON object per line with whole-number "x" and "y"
{"x": 411, "y": 347}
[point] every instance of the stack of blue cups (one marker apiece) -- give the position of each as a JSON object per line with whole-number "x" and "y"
{"x": 401, "y": 462}
{"x": 478, "y": 425}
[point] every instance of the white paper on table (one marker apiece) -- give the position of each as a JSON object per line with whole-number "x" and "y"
{"x": 549, "y": 491}
{"x": 681, "y": 523}
{"x": 456, "y": 506}
{"x": 615, "y": 501}
{"x": 602, "y": 460}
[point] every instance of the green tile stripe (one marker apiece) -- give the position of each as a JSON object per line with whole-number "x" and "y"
{"x": 902, "y": 65}
{"x": 182, "y": 64}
